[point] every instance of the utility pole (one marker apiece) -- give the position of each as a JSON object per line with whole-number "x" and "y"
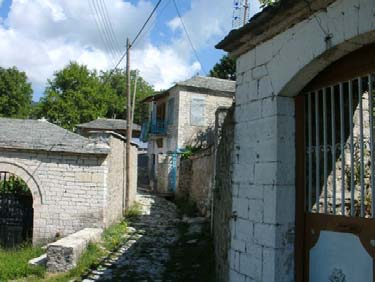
{"x": 128, "y": 123}
{"x": 134, "y": 95}
{"x": 246, "y": 8}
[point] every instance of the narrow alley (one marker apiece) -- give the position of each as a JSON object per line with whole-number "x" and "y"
{"x": 161, "y": 246}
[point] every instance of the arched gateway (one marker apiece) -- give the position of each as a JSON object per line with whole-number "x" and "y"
{"x": 303, "y": 166}
{"x": 19, "y": 195}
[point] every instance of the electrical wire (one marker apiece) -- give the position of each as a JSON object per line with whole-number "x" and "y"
{"x": 188, "y": 37}
{"x": 102, "y": 32}
{"x": 135, "y": 39}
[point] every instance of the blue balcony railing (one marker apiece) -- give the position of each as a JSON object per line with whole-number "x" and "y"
{"x": 158, "y": 127}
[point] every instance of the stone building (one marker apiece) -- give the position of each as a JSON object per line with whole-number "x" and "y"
{"x": 75, "y": 182}
{"x": 299, "y": 65}
{"x": 182, "y": 116}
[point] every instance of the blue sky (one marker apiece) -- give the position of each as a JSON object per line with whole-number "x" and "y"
{"x": 42, "y": 36}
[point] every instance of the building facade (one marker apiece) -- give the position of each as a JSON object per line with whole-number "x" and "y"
{"x": 179, "y": 118}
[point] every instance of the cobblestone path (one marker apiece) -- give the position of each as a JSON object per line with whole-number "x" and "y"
{"x": 145, "y": 254}
{"x": 161, "y": 246}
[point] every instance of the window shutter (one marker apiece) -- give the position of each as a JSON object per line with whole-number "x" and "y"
{"x": 197, "y": 111}
{"x": 171, "y": 111}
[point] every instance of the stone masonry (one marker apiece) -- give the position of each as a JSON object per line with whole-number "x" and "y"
{"x": 274, "y": 66}
{"x": 75, "y": 182}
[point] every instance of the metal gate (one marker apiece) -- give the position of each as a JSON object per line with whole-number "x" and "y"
{"x": 335, "y": 182}
{"x": 16, "y": 212}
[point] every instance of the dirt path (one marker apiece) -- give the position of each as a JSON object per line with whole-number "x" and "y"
{"x": 161, "y": 247}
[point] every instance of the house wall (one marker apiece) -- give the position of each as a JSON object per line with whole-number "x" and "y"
{"x": 268, "y": 77}
{"x": 187, "y": 133}
{"x": 68, "y": 190}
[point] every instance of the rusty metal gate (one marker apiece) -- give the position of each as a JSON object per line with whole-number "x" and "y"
{"x": 335, "y": 181}
{"x": 16, "y": 212}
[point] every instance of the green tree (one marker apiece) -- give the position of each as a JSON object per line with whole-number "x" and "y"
{"x": 15, "y": 93}
{"x": 225, "y": 69}
{"x": 117, "y": 82}
{"x": 267, "y": 2}
{"x": 77, "y": 95}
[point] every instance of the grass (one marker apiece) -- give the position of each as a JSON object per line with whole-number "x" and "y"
{"x": 134, "y": 211}
{"x": 112, "y": 238}
{"x": 14, "y": 263}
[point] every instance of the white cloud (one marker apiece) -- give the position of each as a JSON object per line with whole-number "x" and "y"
{"x": 42, "y": 36}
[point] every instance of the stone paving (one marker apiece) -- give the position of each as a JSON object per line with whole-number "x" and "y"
{"x": 145, "y": 254}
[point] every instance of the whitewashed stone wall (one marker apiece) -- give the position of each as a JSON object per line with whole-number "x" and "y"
{"x": 268, "y": 77}
{"x": 71, "y": 191}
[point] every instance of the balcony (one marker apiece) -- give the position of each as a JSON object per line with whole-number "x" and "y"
{"x": 158, "y": 127}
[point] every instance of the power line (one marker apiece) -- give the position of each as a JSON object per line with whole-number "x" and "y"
{"x": 152, "y": 25}
{"x": 135, "y": 39}
{"x": 110, "y": 27}
{"x": 102, "y": 32}
{"x": 188, "y": 37}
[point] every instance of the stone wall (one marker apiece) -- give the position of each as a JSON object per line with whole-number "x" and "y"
{"x": 201, "y": 181}
{"x": 268, "y": 77}
{"x": 70, "y": 189}
{"x": 222, "y": 207}
{"x": 195, "y": 180}
{"x": 184, "y": 182}
{"x": 188, "y": 133}
{"x": 73, "y": 191}
{"x": 116, "y": 173}
{"x": 133, "y": 174}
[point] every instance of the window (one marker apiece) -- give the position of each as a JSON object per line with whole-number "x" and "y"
{"x": 197, "y": 108}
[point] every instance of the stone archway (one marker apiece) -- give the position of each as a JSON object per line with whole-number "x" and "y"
{"x": 34, "y": 187}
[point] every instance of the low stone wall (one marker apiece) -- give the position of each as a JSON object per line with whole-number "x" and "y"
{"x": 201, "y": 181}
{"x": 184, "y": 181}
{"x": 64, "y": 254}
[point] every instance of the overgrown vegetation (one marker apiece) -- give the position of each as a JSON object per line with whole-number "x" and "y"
{"x": 134, "y": 211}
{"x": 189, "y": 151}
{"x": 13, "y": 185}
{"x": 14, "y": 263}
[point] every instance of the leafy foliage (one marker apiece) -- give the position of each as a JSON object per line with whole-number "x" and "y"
{"x": 76, "y": 95}
{"x": 189, "y": 151}
{"x": 267, "y": 2}
{"x": 117, "y": 82}
{"x": 15, "y": 93}
{"x": 13, "y": 185}
{"x": 225, "y": 69}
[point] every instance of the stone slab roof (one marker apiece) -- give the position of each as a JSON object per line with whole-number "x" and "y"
{"x": 209, "y": 85}
{"x": 41, "y": 135}
{"x": 108, "y": 124}
{"x": 271, "y": 21}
